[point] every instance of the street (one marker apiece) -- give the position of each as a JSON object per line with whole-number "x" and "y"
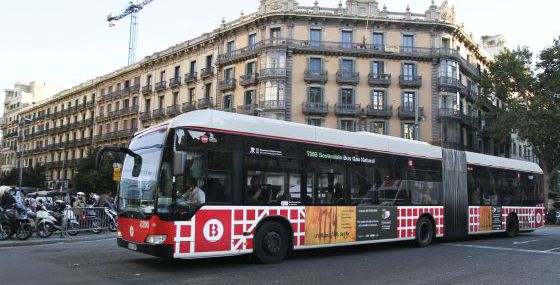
{"x": 531, "y": 258}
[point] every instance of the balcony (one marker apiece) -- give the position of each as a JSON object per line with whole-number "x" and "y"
{"x": 158, "y": 113}
{"x": 451, "y": 84}
{"x": 470, "y": 119}
{"x": 207, "y": 72}
{"x": 249, "y": 79}
{"x": 379, "y": 79}
{"x": 117, "y": 95}
{"x": 187, "y": 107}
{"x": 347, "y": 109}
{"x": 314, "y": 108}
{"x": 472, "y": 93}
{"x": 160, "y": 86}
{"x": 90, "y": 104}
{"x": 247, "y": 109}
{"x": 144, "y": 116}
{"x": 272, "y": 105}
{"x": 147, "y": 90}
{"x": 348, "y": 78}
{"x": 205, "y": 103}
{"x": 227, "y": 84}
{"x": 126, "y": 91}
{"x": 408, "y": 112}
{"x": 191, "y": 77}
{"x": 449, "y": 114}
{"x": 270, "y": 73}
{"x": 115, "y": 114}
{"x": 175, "y": 82}
{"x": 135, "y": 88}
{"x": 173, "y": 111}
{"x": 315, "y": 76}
{"x": 380, "y": 111}
{"x": 238, "y": 54}
{"x": 410, "y": 81}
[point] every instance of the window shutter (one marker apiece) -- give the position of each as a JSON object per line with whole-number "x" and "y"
{"x": 353, "y": 96}
{"x": 322, "y": 99}
{"x": 381, "y": 69}
{"x": 308, "y": 94}
{"x": 414, "y": 70}
{"x": 339, "y": 95}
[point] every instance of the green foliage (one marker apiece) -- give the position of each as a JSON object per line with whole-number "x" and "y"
{"x": 530, "y": 107}
{"x": 89, "y": 179}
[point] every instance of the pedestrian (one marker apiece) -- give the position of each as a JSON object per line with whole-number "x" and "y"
{"x": 33, "y": 202}
{"x": 7, "y": 201}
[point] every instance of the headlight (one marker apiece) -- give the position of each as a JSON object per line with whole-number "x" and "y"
{"x": 156, "y": 239}
{"x": 119, "y": 234}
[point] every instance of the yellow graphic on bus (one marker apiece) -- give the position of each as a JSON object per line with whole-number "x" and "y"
{"x": 327, "y": 225}
{"x": 485, "y": 218}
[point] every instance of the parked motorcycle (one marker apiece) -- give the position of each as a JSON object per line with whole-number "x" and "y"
{"x": 553, "y": 216}
{"x": 42, "y": 221}
{"x": 15, "y": 221}
{"x": 64, "y": 214}
{"x": 111, "y": 214}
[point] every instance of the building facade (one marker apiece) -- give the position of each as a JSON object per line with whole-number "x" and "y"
{"x": 355, "y": 67}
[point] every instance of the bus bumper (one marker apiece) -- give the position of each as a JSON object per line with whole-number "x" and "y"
{"x": 159, "y": 250}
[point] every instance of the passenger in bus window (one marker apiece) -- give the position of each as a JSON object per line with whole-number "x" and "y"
{"x": 255, "y": 191}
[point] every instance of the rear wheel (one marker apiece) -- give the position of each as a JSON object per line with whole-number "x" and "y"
{"x": 96, "y": 226}
{"x": 73, "y": 228}
{"x": 45, "y": 230}
{"x": 424, "y": 232}
{"x": 271, "y": 243}
{"x": 24, "y": 232}
{"x": 512, "y": 226}
{"x": 112, "y": 226}
{"x": 5, "y": 231}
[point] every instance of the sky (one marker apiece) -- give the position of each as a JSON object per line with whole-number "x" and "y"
{"x": 67, "y": 42}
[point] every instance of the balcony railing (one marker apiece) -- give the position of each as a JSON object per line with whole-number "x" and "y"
{"x": 347, "y": 109}
{"x": 247, "y": 109}
{"x": 207, "y": 72}
{"x": 238, "y": 54}
{"x": 316, "y": 76}
{"x": 379, "y": 79}
{"x": 249, "y": 79}
{"x": 410, "y": 81}
{"x": 472, "y": 93}
{"x": 173, "y": 110}
{"x": 160, "y": 86}
{"x": 126, "y": 91}
{"x": 451, "y": 83}
{"x": 146, "y": 116}
{"x": 408, "y": 112}
{"x": 90, "y": 104}
{"x": 187, "y": 107}
{"x": 382, "y": 111}
{"x": 175, "y": 82}
{"x": 272, "y": 105}
{"x": 135, "y": 88}
{"x": 205, "y": 103}
{"x": 449, "y": 114}
{"x": 227, "y": 84}
{"x": 267, "y": 73}
{"x": 191, "y": 77}
{"x": 470, "y": 119}
{"x": 315, "y": 108}
{"x": 146, "y": 90}
{"x": 350, "y": 78}
{"x": 158, "y": 113}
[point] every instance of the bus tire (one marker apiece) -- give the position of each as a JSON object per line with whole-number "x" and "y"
{"x": 424, "y": 232}
{"x": 271, "y": 243}
{"x": 512, "y": 226}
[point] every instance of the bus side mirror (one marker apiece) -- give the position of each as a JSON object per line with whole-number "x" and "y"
{"x": 179, "y": 160}
{"x": 137, "y": 166}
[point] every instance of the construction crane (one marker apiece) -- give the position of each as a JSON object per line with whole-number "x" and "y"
{"x": 132, "y": 10}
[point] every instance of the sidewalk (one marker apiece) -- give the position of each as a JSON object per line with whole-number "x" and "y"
{"x": 56, "y": 239}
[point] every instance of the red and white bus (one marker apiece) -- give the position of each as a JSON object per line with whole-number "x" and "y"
{"x": 210, "y": 183}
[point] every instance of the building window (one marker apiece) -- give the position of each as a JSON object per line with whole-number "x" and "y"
{"x": 314, "y": 94}
{"x": 250, "y": 68}
{"x": 315, "y": 37}
{"x": 207, "y": 90}
{"x": 378, "y": 127}
{"x": 378, "y": 41}
{"x": 162, "y": 76}
{"x": 193, "y": 67}
{"x": 230, "y": 48}
{"x": 177, "y": 73}
{"x": 347, "y": 125}
{"x": 408, "y": 131}
{"x": 249, "y": 97}
{"x": 160, "y": 102}
{"x": 315, "y": 65}
{"x": 347, "y": 67}
{"x": 347, "y": 39}
{"x": 276, "y": 33}
{"x": 408, "y": 101}
{"x": 408, "y": 43}
{"x": 377, "y": 68}
{"x": 346, "y": 96}
{"x": 209, "y": 60}
{"x": 378, "y": 99}
{"x": 148, "y": 81}
{"x": 317, "y": 122}
{"x": 274, "y": 91}
{"x": 228, "y": 101}
{"x": 148, "y": 107}
{"x": 192, "y": 94}
{"x": 228, "y": 74}
{"x": 175, "y": 98}
{"x": 449, "y": 68}
{"x": 252, "y": 40}
{"x": 409, "y": 71}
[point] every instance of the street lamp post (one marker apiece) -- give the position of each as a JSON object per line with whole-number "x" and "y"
{"x": 24, "y": 119}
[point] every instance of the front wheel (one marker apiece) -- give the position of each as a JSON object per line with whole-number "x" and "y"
{"x": 424, "y": 232}
{"x": 73, "y": 228}
{"x": 96, "y": 226}
{"x": 512, "y": 226}
{"x": 112, "y": 225}
{"x": 271, "y": 243}
{"x": 5, "y": 231}
{"x": 24, "y": 232}
{"x": 45, "y": 230}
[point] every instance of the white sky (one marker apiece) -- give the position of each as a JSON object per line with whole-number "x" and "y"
{"x": 69, "y": 41}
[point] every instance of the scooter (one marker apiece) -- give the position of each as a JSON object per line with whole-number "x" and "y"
{"x": 15, "y": 221}
{"x": 64, "y": 213}
{"x": 111, "y": 213}
{"x": 42, "y": 221}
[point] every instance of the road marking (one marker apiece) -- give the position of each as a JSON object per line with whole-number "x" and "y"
{"x": 552, "y": 249}
{"x": 506, "y": 248}
{"x": 525, "y": 242}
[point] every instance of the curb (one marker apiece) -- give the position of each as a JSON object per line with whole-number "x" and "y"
{"x": 49, "y": 241}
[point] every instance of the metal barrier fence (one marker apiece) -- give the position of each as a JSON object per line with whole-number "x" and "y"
{"x": 86, "y": 219}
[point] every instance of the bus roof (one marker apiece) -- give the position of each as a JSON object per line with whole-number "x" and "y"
{"x": 272, "y": 128}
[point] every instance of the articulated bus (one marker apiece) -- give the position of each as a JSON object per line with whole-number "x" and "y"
{"x": 210, "y": 183}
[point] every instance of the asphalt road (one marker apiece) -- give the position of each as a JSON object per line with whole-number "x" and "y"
{"x": 531, "y": 258}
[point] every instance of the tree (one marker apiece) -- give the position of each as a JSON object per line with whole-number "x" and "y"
{"x": 32, "y": 177}
{"x": 89, "y": 179}
{"x": 531, "y": 108}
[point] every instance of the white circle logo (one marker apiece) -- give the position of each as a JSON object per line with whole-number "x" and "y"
{"x": 131, "y": 231}
{"x": 539, "y": 218}
{"x": 213, "y": 230}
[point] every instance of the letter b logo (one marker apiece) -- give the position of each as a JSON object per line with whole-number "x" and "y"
{"x": 213, "y": 230}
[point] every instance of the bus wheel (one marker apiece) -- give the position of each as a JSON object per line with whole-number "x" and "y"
{"x": 424, "y": 232}
{"x": 271, "y": 243}
{"x": 512, "y": 226}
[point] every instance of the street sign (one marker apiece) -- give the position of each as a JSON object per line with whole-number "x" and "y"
{"x": 117, "y": 174}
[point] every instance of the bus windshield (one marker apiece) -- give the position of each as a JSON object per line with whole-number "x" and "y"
{"x": 137, "y": 194}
